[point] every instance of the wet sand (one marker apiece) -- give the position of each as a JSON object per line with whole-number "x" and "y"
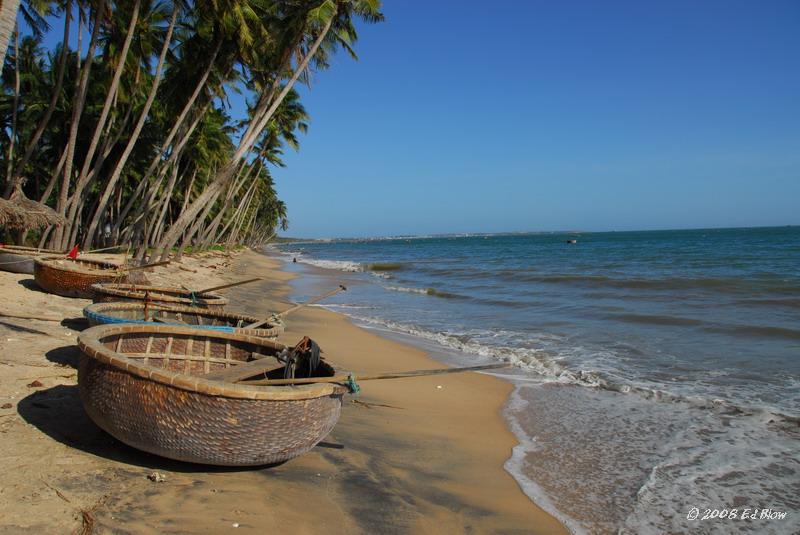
{"x": 408, "y": 457}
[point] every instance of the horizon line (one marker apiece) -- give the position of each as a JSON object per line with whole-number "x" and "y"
{"x": 522, "y": 232}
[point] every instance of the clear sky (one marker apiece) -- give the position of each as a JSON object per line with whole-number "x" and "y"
{"x": 515, "y": 115}
{"x": 464, "y": 116}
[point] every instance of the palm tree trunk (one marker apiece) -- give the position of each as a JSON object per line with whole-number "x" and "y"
{"x": 134, "y": 136}
{"x": 164, "y": 204}
{"x": 51, "y": 106}
{"x": 8, "y": 20}
{"x": 140, "y": 222}
{"x": 165, "y": 145}
{"x": 186, "y": 198}
{"x": 247, "y": 170}
{"x": 53, "y": 179}
{"x": 225, "y": 174}
{"x": 250, "y": 140}
{"x": 267, "y": 97}
{"x": 247, "y": 228}
{"x": 78, "y": 198}
{"x": 208, "y": 235}
{"x": 240, "y": 209}
{"x": 81, "y": 18}
{"x": 9, "y": 187}
{"x": 187, "y": 237}
{"x": 101, "y": 122}
{"x": 77, "y": 111}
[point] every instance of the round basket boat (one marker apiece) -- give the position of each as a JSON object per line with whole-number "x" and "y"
{"x": 157, "y": 388}
{"x": 160, "y": 295}
{"x": 141, "y": 312}
{"x": 18, "y": 259}
{"x": 73, "y": 277}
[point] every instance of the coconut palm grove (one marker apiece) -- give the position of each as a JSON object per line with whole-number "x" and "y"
{"x": 123, "y": 126}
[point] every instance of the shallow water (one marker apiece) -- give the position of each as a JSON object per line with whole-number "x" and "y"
{"x": 656, "y": 371}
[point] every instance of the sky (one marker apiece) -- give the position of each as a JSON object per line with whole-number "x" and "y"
{"x": 523, "y": 115}
{"x": 463, "y": 116}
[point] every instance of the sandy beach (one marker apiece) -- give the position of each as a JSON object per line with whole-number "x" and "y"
{"x": 409, "y": 456}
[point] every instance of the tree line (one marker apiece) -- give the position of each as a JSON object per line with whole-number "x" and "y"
{"x": 128, "y": 134}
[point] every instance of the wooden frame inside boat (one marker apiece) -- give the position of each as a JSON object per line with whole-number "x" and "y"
{"x": 161, "y": 295}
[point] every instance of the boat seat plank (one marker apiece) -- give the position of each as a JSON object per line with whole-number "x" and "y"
{"x": 245, "y": 370}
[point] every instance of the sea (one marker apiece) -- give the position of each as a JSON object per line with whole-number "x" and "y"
{"x": 656, "y": 373}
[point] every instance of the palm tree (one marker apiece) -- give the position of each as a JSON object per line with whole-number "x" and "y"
{"x": 322, "y": 14}
{"x": 58, "y": 241}
{"x": 8, "y": 21}
{"x": 120, "y": 165}
{"x": 44, "y": 121}
{"x": 137, "y": 132}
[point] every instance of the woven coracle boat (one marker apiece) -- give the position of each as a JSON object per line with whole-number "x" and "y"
{"x": 73, "y": 277}
{"x": 18, "y": 259}
{"x": 170, "y": 391}
{"x": 159, "y": 295}
{"x": 142, "y": 312}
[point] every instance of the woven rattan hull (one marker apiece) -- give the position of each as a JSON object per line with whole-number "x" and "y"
{"x": 104, "y": 293}
{"x": 16, "y": 263}
{"x": 197, "y": 318}
{"x": 60, "y": 280}
{"x": 182, "y": 417}
{"x": 198, "y": 428}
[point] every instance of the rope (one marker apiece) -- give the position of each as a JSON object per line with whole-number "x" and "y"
{"x": 193, "y": 297}
{"x": 341, "y": 288}
{"x": 352, "y": 385}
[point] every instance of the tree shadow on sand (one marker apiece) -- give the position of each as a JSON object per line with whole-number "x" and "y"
{"x": 21, "y": 328}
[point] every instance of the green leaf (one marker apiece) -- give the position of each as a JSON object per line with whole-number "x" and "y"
{"x": 321, "y": 14}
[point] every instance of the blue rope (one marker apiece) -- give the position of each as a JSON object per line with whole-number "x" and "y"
{"x": 352, "y": 385}
{"x": 194, "y": 298}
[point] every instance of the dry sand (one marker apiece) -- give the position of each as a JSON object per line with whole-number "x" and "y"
{"x": 409, "y": 457}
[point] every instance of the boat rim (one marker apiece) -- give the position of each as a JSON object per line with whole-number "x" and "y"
{"x": 90, "y": 345}
{"x": 24, "y": 250}
{"x": 106, "y": 308}
{"x": 103, "y": 266}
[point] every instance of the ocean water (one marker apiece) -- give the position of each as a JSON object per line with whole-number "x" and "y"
{"x": 656, "y": 372}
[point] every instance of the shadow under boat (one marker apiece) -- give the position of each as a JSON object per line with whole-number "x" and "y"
{"x": 31, "y": 285}
{"x": 58, "y": 413}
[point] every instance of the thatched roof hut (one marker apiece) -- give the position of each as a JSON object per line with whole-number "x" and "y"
{"x": 20, "y": 212}
{"x": 10, "y": 214}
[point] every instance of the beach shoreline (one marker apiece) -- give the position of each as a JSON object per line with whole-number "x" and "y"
{"x": 408, "y": 457}
{"x": 620, "y": 373}
{"x": 460, "y": 414}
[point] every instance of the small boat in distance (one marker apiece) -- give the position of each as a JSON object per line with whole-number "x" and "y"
{"x": 144, "y": 312}
{"x": 159, "y": 295}
{"x": 19, "y": 259}
{"x": 177, "y": 392}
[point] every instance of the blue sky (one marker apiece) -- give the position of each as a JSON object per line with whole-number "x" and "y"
{"x": 465, "y": 116}
{"x": 510, "y": 116}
